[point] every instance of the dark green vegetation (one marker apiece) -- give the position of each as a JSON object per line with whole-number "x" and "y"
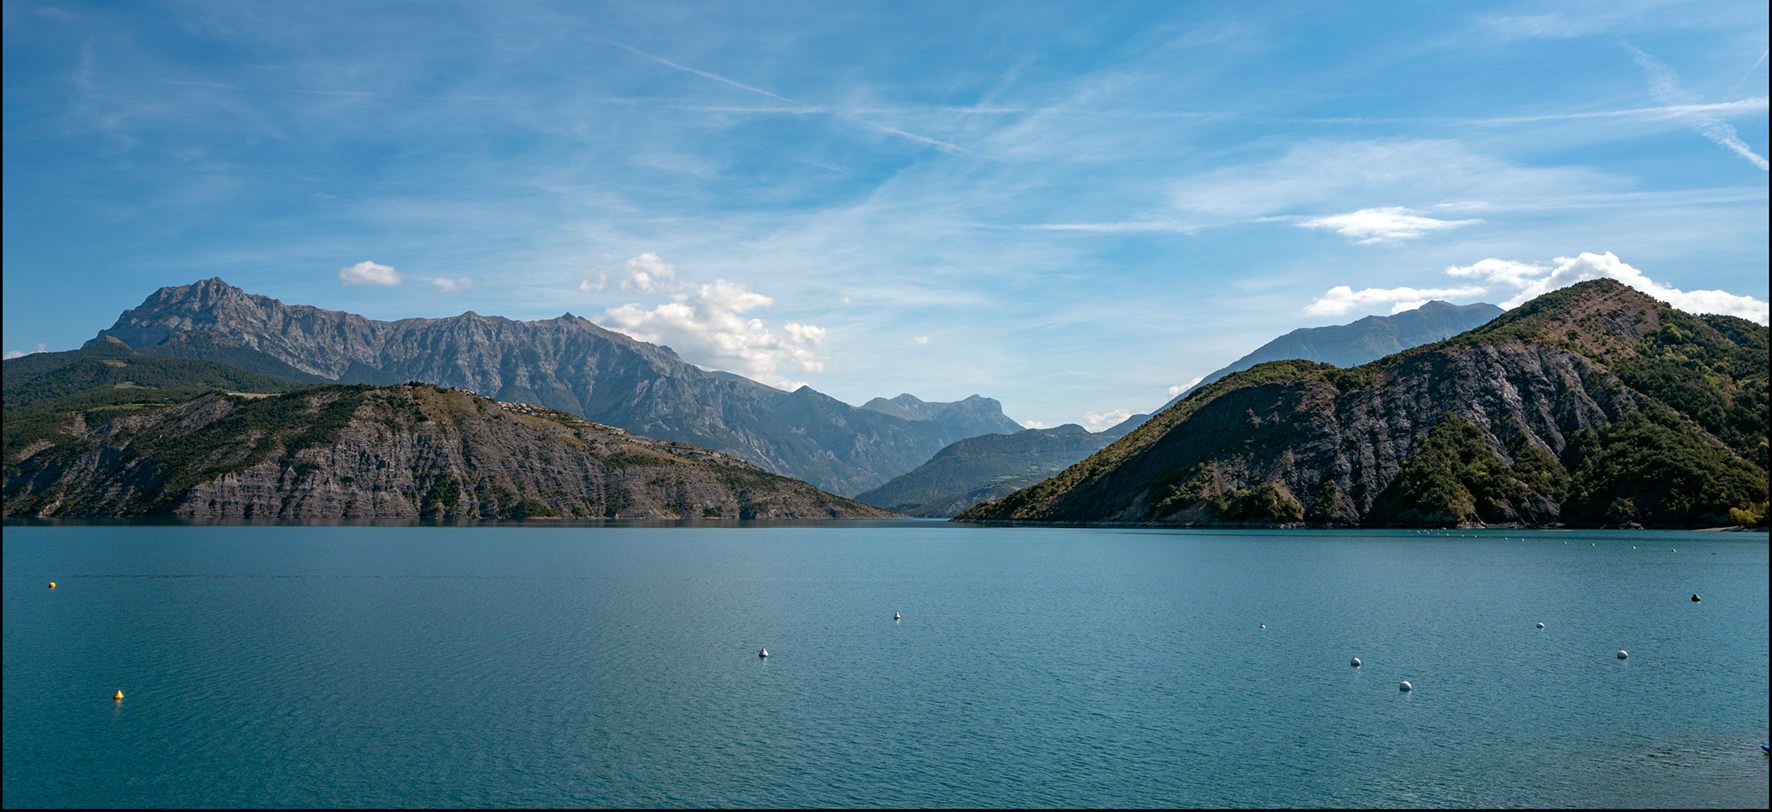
{"x": 361, "y": 451}
{"x": 1592, "y": 405}
{"x": 104, "y": 380}
{"x": 979, "y": 469}
{"x": 1368, "y": 339}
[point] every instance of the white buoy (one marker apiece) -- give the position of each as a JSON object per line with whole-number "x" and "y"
{"x": 1541, "y": 625}
{"x": 763, "y": 653}
{"x": 1355, "y": 663}
{"x": 1405, "y": 687}
{"x": 1623, "y": 655}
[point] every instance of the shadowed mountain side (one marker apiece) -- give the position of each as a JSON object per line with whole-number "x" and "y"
{"x": 1369, "y": 339}
{"x": 1591, "y": 405}
{"x": 566, "y": 363}
{"x": 400, "y": 452}
{"x": 980, "y": 469}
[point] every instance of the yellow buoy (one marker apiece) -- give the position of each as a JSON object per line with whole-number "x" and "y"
{"x": 51, "y": 584}
{"x": 117, "y": 697}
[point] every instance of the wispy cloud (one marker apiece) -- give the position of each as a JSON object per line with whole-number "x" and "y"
{"x": 794, "y": 106}
{"x": 1664, "y": 85}
{"x": 453, "y": 284}
{"x": 1393, "y": 224}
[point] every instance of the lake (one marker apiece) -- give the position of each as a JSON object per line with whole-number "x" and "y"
{"x": 287, "y": 666}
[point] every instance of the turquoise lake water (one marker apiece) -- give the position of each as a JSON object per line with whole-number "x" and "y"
{"x": 1033, "y": 667}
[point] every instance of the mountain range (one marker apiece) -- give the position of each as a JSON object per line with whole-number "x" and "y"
{"x": 1368, "y": 339}
{"x": 568, "y": 364}
{"x": 980, "y": 469}
{"x": 1590, "y": 405}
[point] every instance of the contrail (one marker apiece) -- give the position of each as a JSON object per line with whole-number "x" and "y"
{"x": 806, "y": 108}
{"x": 1664, "y": 85}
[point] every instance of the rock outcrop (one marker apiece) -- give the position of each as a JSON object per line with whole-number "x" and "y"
{"x": 566, "y": 363}
{"x": 1591, "y": 405}
{"x": 397, "y": 452}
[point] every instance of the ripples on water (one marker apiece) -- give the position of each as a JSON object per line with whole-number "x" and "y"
{"x": 282, "y": 666}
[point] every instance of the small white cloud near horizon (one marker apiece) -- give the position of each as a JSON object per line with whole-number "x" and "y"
{"x": 1534, "y": 280}
{"x": 456, "y": 285}
{"x": 1097, "y": 421}
{"x": 1342, "y": 298}
{"x": 703, "y": 324}
{"x": 370, "y": 273}
{"x": 41, "y": 347}
{"x": 1183, "y": 387}
{"x": 1383, "y": 225}
{"x": 589, "y": 285}
{"x": 921, "y": 340}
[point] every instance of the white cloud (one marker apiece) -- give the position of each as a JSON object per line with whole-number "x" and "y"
{"x": 590, "y": 285}
{"x": 1536, "y": 280}
{"x": 1097, "y": 421}
{"x": 1183, "y": 387}
{"x": 456, "y": 285}
{"x": 370, "y": 273}
{"x": 703, "y": 324}
{"x": 1404, "y": 307}
{"x": 1392, "y": 224}
{"x": 1516, "y": 274}
{"x": 647, "y": 273}
{"x": 1664, "y": 85}
{"x": 921, "y": 340}
{"x": 1342, "y": 298}
{"x": 41, "y": 347}
{"x": 1035, "y": 424}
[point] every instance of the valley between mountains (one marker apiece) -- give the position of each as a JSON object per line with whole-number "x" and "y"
{"x": 1593, "y": 405}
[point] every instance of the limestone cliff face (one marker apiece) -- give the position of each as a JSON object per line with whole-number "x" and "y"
{"x": 1555, "y": 413}
{"x": 567, "y": 363}
{"x": 400, "y": 452}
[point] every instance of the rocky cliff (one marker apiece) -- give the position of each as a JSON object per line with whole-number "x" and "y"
{"x": 567, "y": 363}
{"x": 1590, "y": 405}
{"x": 396, "y": 452}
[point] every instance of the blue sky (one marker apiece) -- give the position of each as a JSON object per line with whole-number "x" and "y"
{"x": 1076, "y": 208}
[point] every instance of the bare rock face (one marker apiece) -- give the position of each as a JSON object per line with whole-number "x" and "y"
{"x": 399, "y": 452}
{"x": 567, "y": 363}
{"x": 1591, "y": 405}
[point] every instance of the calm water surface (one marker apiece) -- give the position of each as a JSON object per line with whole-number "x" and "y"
{"x": 362, "y": 666}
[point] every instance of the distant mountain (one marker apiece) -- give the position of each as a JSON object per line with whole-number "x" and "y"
{"x": 1369, "y": 339}
{"x": 1590, "y": 405}
{"x": 367, "y": 452}
{"x": 566, "y": 363}
{"x": 968, "y": 418}
{"x": 991, "y": 466}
